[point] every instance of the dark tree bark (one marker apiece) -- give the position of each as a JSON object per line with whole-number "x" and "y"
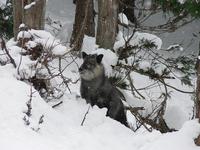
{"x": 84, "y": 23}
{"x": 90, "y": 24}
{"x": 107, "y": 23}
{"x": 33, "y": 16}
{"x": 127, "y": 7}
{"x": 17, "y": 15}
{"x": 197, "y": 141}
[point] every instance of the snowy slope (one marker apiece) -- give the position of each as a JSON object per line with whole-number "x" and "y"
{"x": 61, "y": 128}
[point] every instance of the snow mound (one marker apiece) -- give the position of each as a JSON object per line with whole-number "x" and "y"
{"x": 137, "y": 38}
{"x": 61, "y": 128}
{"x": 23, "y": 34}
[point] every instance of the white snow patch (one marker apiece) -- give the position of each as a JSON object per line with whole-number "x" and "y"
{"x": 42, "y": 34}
{"x": 120, "y": 41}
{"x": 181, "y": 1}
{"x": 24, "y": 34}
{"x": 136, "y": 39}
{"x": 146, "y": 36}
{"x": 49, "y": 42}
{"x": 6, "y": 17}
{"x": 89, "y": 44}
{"x": 31, "y": 44}
{"x": 123, "y": 19}
{"x": 175, "y": 116}
{"x": 29, "y": 5}
{"x": 181, "y": 140}
{"x": 22, "y": 25}
{"x": 145, "y": 65}
{"x": 59, "y": 50}
{"x": 175, "y": 46}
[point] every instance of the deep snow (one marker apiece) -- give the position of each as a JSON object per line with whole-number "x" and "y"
{"x": 62, "y": 128}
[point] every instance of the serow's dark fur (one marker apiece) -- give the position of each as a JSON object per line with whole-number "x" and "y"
{"x": 97, "y": 90}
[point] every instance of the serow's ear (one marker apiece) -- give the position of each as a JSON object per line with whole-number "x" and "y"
{"x": 84, "y": 54}
{"x": 99, "y": 58}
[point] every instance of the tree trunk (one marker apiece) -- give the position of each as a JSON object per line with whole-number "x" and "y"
{"x": 90, "y": 24}
{"x": 197, "y": 141}
{"x": 32, "y": 16}
{"x": 17, "y": 15}
{"x": 84, "y": 23}
{"x": 107, "y": 23}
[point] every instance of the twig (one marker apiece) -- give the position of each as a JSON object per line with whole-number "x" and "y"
{"x": 138, "y": 117}
{"x": 57, "y": 104}
{"x": 133, "y": 88}
{"x": 62, "y": 76}
{"x": 85, "y": 116}
{"x": 157, "y": 76}
{"x": 28, "y": 113}
{"x": 182, "y": 91}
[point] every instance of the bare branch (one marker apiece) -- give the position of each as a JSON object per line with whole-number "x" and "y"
{"x": 3, "y": 47}
{"x": 85, "y": 116}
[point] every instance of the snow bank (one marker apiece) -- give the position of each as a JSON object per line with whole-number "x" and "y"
{"x": 23, "y": 34}
{"x": 61, "y": 127}
{"x": 182, "y": 140}
{"x": 48, "y": 41}
{"x": 136, "y": 39}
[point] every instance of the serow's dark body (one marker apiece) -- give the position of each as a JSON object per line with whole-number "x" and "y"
{"x": 97, "y": 90}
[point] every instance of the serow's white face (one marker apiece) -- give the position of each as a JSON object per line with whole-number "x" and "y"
{"x": 91, "y": 67}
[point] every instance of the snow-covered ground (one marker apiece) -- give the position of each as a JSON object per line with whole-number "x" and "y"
{"x": 61, "y": 128}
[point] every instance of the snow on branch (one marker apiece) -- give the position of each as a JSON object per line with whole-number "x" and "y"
{"x": 29, "y": 5}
